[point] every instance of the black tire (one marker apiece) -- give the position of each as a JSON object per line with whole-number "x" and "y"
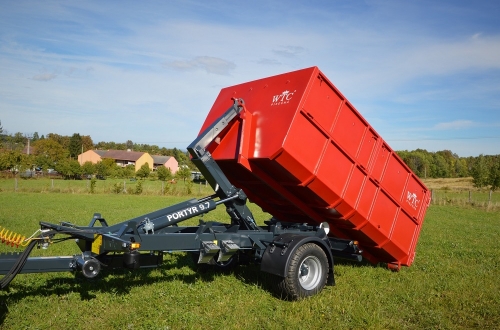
{"x": 307, "y": 273}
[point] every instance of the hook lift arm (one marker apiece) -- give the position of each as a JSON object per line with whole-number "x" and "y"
{"x": 235, "y": 198}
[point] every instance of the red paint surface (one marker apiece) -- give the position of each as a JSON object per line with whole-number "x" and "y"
{"x": 303, "y": 153}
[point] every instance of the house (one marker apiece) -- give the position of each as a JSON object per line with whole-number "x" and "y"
{"x": 121, "y": 157}
{"x": 167, "y": 161}
{"x": 93, "y": 156}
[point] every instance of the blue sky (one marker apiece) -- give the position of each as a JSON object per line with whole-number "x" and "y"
{"x": 425, "y": 74}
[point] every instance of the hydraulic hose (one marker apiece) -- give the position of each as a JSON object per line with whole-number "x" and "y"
{"x": 18, "y": 265}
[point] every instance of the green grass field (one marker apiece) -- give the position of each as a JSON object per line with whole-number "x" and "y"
{"x": 453, "y": 283}
{"x": 109, "y": 186}
{"x": 461, "y": 191}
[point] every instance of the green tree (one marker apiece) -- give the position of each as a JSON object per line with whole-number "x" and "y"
{"x": 480, "y": 172}
{"x": 15, "y": 161}
{"x": 75, "y": 145}
{"x": 4, "y": 161}
{"x": 448, "y": 161}
{"x": 494, "y": 175}
{"x": 442, "y": 169}
{"x": 87, "y": 143}
{"x": 127, "y": 171}
{"x": 461, "y": 168}
{"x": 101, "y": 169}
{"x": 183, "y": 173}
{"x": 164, "y": 173}
{"x": 101, "y": 146}
{"x": 88, "y": 168}
{"x": 144, "y": 171}
{"x": 10, "y": 160}
{"x": 182, "y": 158}
{"x": 62, "y": 140}
{"x": 28, "y": 162}
{"x": 76, "y": 168}
{"x": 70, "y": 169}
{"x": 18, "y": 138}
{"x": 129, "y": 144}
{"x": 106, "y": 167}
{"x": 49, "y": 152}
{"x": 415, "y": 161}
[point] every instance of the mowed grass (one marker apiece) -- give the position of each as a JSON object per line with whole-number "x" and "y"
{"x": 453, "y": 283}
{"x": 108, "y": 186}
{"x": 461, "y": 192}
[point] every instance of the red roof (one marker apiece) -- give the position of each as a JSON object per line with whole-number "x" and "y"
{"x": 123, "y": 155}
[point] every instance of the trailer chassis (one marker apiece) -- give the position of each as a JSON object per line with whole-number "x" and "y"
{"x": 301, "y": 256}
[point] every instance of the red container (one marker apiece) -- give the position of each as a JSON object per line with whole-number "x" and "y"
{"x": 303, "y": 153}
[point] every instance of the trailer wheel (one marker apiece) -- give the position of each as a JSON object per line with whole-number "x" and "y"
{"x": 307, "y": 273}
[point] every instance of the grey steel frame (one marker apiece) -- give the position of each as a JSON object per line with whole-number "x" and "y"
{"x": 112, "y": 246}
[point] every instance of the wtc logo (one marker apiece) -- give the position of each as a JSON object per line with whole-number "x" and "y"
{"x": 282, "y": 98}
{"x": 411, "y": 198}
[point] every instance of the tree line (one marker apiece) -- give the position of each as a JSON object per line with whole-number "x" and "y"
{"x": 484, "y": 169}
{"x": 20, "y": 152}
{"x": 60, "y": 152}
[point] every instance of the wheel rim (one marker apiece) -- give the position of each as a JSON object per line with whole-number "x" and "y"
{"x": 310, "y": 273}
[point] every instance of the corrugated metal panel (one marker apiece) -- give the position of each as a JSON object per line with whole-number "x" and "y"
{"x": 305, "y": 154}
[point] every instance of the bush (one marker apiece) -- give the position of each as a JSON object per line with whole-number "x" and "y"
{"x": 144, "y": 171}
{"x": 117, "y": 188}
{"x": 138, "y": 188}
{"x": 164, "y": 173}
{"x": 189, "y": 187}
{"x": 165, "y": 188}
{"x": 92, "y": 185}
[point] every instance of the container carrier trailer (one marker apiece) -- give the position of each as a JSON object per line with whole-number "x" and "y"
{"x": 295, "y": 146}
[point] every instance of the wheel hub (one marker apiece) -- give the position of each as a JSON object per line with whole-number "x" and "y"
{"x": 310, "y": 273}
{"x": 304, "y": 270}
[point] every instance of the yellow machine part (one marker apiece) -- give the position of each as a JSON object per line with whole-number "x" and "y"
{"x": 96, "y": 245}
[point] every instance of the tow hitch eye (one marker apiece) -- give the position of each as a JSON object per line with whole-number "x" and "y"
{"x": 89, "y": 266}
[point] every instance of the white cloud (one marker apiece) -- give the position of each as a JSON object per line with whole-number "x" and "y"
{"x": 288, "y": 51}
{"x": 268, "y": 61}
{"x": 44, "y": 77}
{"x": 438, "y": 57}
{"x": 373, "y": 65}
{"x": 456, "y": 124}
{"x": 209, "y": 64}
